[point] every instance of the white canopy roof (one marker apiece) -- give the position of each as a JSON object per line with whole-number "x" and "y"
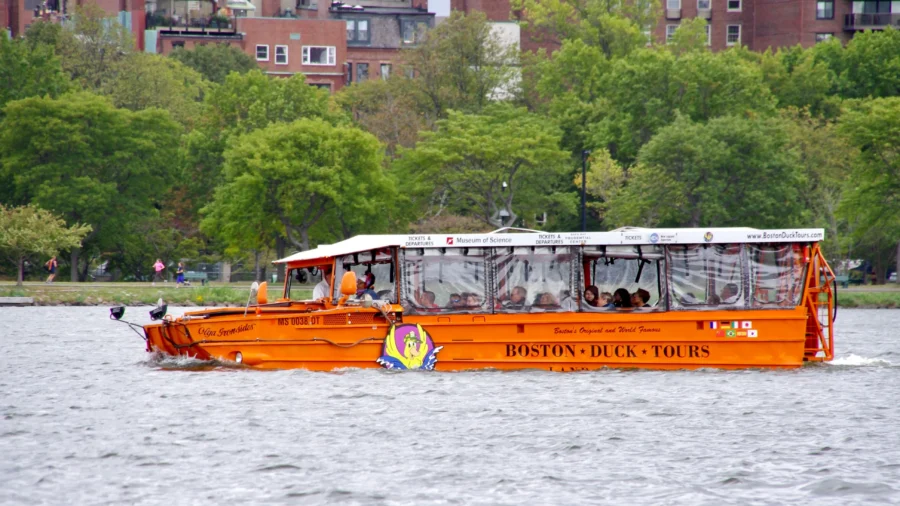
{"x": 621, "y": 236}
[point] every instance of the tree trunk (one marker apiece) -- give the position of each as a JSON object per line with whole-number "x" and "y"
{"x": 73, "y": 260}
{"x": 21, "y": 276}
{"x": 256, "y": 265}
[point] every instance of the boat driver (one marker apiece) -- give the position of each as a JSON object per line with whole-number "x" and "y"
{"x": 322, "y": 289}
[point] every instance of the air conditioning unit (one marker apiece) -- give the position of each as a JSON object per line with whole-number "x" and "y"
{"x": 704, "y": 13}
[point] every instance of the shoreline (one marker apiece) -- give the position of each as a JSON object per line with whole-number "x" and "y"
{"x": 235, "y": 294}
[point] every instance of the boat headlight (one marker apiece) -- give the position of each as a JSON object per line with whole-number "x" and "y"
{"x": 238, "y": 357}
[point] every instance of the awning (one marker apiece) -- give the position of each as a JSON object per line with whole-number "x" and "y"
{"x": 243, "y": 5}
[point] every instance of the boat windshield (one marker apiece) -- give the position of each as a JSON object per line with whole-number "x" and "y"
{"x": 374, "y": 271}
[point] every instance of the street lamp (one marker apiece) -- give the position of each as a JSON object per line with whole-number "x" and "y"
{"x": 584, "y": 157}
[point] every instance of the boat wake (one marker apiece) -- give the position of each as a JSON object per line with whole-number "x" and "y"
{"x": 857, "y": 361}
{"x": 165, "y": 361}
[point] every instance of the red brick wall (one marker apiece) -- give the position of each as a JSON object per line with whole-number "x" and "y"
{"x": 496, "y": 10}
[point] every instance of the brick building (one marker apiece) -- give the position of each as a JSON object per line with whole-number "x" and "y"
{"x": 757, "y": 24}
{"x": 16, "y": 15}
{"x": 332, "y": 43}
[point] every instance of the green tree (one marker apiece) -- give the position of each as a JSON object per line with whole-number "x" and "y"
{"x": 142, "y": 81}
{"x": 463, "y": 65}
{"x": 870, "y": 65}
{"x": 873, "y": 200}
{"x": 88, "y": 162}
{"x": 91, "y": 46}
{"x": 689, "y": 36}
{"x": 391, "y": 110}
{"x": 615, "y": 26}
{"x": 645, "y": 89}
{"x": 303, "y": 181}
{"x": 463, "y": 166}
{"x": 215, "y": 61}
{"x": 799, "y": 80}
{"x": 246, "y": 102}
{"x": 730, "y": 171}
{"x": 28, "y": 71}
{"x": 30, "y": 230}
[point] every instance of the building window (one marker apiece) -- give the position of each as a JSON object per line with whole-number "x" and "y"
{"x": 822, "y": 37}
{"x": 281, "y": 55}
{"x": 318, "y": 55}
{"x": 877, "y": 7}
{"x": 362, "y": 72}
{"x": 670, "y": 32}
{"x": 708, "y": 35}
{"x": 733, "y": 36}
{"x": 348, "y": 74}
{"x": 673, "y": 4}
{"x": 414, "y": 31}
{"x": 358, "y": 30}
{"x": 703, "y": 5}
{"x": 734, "y": 5}
{"x": 385, "y": 71}
{"x": 825, "y": 10}
{"x": 262, "y": 52}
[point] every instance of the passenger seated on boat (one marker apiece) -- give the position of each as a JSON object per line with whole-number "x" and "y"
{"x": 730, "y": 293}
{"x": 592, "y": 296}
{"x": 640, "y": 298}
{"x": 713, "y": 300}
{"x": 323, "y": 289}
{"x": 455, "y": 301}
{"x": 363, "y": 290}
{"x": 472, "y": 301}
{"x": 606, "y": 301}
{"x": 546, "y": 300}
{"x": 622, "y": 299}
{"x": 517, "y": 298}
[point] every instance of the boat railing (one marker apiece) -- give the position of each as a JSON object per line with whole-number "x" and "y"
{"x": 821, "y": 301}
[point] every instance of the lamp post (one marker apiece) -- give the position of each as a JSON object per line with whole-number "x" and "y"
{"x": 584, "y": 157}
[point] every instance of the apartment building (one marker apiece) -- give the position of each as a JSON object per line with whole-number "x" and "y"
{"x": 757, "y": 24}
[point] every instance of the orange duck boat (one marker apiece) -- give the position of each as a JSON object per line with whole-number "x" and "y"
{"x": 629, "y": 298}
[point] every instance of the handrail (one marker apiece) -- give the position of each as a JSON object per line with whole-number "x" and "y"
{"x": 820, "y": 279}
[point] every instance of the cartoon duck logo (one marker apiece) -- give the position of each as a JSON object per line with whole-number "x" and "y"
{"x": 408, "y": 346}
{"x": 708, "y": 237}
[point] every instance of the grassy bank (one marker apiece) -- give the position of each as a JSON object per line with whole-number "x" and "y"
{"x": 135, "y": 294}
{"x": 869, "y": 299}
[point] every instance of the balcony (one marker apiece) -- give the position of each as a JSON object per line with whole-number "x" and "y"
{"x": 880, "y": 21}
{"x": 198, "y": 26}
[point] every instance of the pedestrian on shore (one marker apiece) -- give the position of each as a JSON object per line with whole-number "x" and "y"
{"x": 51, "y": 266}
{"x": 179, "y": 280}
{"x": 158, "y": 267}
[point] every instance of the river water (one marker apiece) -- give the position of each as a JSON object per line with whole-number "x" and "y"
{"x": 89, "y": 418}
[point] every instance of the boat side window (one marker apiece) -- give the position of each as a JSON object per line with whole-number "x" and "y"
{"x": 444, "y": 280}
{"x": 619, "y": 272}
{"x": 777, "y": 272}
{"x": 373, "y": 267}
{"x": 534, "y": 279}
{"x": 706, "y": 276}
{"x": 298, "y": 284}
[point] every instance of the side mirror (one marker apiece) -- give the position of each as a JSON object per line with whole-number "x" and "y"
{"x": 159, "y": 311}
{"x": 348, "y": 283}
{"x": 262, "y": 294}
{"x": 116, "y": 313}
{"x": 254, "y": 288}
